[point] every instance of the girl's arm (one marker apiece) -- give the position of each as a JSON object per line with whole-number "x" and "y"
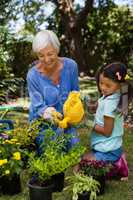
{"x": 107, "y": 129}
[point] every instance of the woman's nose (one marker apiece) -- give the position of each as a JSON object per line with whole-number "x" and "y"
{"x": 46, "y": 58}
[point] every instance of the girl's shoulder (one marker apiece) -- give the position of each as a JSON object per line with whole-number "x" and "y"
{"x": 114, "y": 96}
{"x": 109, "y": 100}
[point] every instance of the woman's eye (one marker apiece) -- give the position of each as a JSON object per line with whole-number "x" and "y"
{"x": 40, "y": 56}
{"x": 50, "y": 54}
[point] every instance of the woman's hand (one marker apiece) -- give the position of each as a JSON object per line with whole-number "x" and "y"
{"x": 48, "y": 113}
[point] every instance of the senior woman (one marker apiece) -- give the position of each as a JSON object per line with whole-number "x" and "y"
{"x": 50, "y": 79}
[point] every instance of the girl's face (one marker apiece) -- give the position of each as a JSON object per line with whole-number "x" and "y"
{"x": 48, "y": 56}
{"x": 107, "y": 85}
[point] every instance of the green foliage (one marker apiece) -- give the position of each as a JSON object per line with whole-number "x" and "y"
{"x": 94, "y": 168}
{"x": 5, "y": 37}
{"x": 26, "y": 135}
{"x": 130, "y": 64}
{"x": 105, "y": 36}
{"x": 109, "y": 36}
{"x": 9, "y": 88}
{"x": 20, "y": 56}
{"x": 10, "y": 157}
{"x": 54, "y": 158}
{"x": 80, "y": 183}
{"x": 4, "y": 72}
{"x": 5, "y": 9}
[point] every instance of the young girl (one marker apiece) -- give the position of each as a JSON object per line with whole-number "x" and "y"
{"x": 106, "y": 136}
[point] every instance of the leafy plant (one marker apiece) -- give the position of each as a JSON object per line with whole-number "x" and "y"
{"x": 10, "y": 89}
{"x": 54, "y": 158}
{"x": 80, "y": 183}
{"x": 94, "y": 168}
{"x": 10, "y": 157}
{"x": 26, "y": 135}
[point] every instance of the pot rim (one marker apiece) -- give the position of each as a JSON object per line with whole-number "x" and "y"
{"x": 40, "y": 187}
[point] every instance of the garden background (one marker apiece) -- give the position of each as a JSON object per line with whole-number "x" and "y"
{"x": 94, "y": 33}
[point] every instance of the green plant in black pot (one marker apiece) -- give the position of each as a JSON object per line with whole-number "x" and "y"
{"x": 54, "y": 160}
{"x": 26, "y": 136}
{"x": 82, "y": 186}
{"x": 10, "y": 166}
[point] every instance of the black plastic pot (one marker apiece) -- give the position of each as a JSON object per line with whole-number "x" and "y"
{"x": 0, "y": 185}
{"x": 40, "y": 192}
{"x": 11, "y": 186}
{"x": 84, "y": 196}
{"x": 101, "y": 180}
{"x": 58, "y": 181}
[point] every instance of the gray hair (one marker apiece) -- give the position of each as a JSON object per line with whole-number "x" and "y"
{"x": 43, "y": 38}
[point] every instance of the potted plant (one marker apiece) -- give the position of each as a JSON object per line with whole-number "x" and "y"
{"x": 10, "y": 166}
{"x": 82, "y": 186}
{"x": 96, "y": 169}
{"x": 52, "y": 162}
{"x": 26, "y": 136}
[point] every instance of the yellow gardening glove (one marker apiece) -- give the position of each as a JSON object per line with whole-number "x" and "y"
{"x": 57, "y": 116}
{"x": 64, "y": 123}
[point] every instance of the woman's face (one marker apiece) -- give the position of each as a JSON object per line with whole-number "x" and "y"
{"x": 48, "y": 56}
{"x": 108, "y": 86}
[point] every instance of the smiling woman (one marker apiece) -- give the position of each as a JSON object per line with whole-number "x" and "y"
{"x": 49, "y": 58}
{"x": 51, "y": 79}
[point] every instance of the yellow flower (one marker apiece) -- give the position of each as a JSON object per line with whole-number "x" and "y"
{"x": 16, "y": 156}
{"x": 7, "y": 172}
{"x": 2, "y": 162}
{"x": 8, "y": 142}
{"x": 14, "y": 140}
{"x": 127, "y": 77}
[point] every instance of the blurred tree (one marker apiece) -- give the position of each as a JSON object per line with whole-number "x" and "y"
{"x": 5, "y": 38}
{"x": 109, "y": 36}
{"x": 20, "y": 57}
{"x": 5, "y": 10}
{"x": 94, "y": 33}
{"x": 72, "y": 22}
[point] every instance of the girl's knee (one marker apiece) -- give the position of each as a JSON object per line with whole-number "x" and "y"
{"x": 89, "y": 156}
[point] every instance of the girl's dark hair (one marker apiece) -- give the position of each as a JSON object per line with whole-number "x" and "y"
{"x": 117, "y": 72}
